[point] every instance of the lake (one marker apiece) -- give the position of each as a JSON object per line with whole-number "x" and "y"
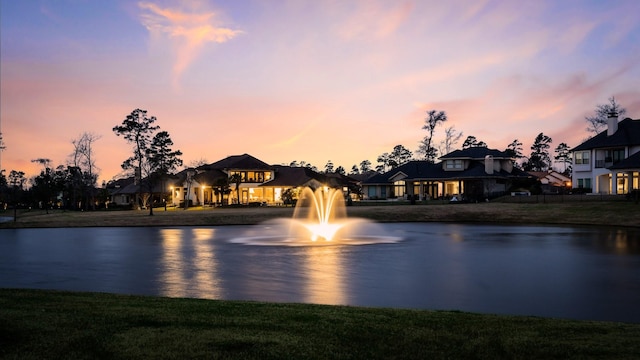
{"x": 589, "y": 273}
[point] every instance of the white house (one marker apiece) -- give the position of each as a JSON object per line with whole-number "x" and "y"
{"x": 609, "y": 163}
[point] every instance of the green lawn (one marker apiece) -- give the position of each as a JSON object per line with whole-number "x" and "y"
{"x": 37, "y": 324}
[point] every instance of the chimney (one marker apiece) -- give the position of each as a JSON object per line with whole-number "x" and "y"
{"x": 488, "y": 164}
{"x": 612, "y": 122}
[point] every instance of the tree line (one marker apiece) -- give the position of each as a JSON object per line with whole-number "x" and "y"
{"x": 73, "y": 185}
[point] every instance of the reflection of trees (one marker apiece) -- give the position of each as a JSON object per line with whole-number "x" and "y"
{"x": 189, "y": 265}
{"x": 325, "y": 281}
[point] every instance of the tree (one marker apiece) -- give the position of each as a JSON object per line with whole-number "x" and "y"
{"x": 400, "y": 155}
{"x": 16, "y": 180}
{"x": 451, "y": 138}
{"x": 598, "y": 121}
{"x": 328, "y": 167}
{"x": 137, "y": 129}
{"x": 471, "y": 141}
{"x": 433, "y": 119}
{"x": 365, "y": 166}
{"x": 162, "y": 161}
{"x": 563, "y": 156}
{"x": 539, "y": 159}
{"x": 385, "y": 163}
{"x": 221, "y": 189}
{"x": 83, "y": 159}
{"x": 2, "y": 147}
{"x": 236, "y": 178}
{"x": 340, "y": 170}
{"x": 354, "y": 170}
{"x": 515, "y": 151}
{"x": 43, "y": 183}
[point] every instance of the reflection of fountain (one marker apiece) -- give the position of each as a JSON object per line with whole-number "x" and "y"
{"x": 319, "y": 218}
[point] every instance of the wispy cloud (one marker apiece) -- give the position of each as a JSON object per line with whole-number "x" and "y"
{"x": 189, "y": 30}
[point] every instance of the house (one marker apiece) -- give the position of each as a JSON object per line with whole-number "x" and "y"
{"x": 552, "y": 182}
{"x": 260, "y": 183}
{"x": 474, "y": 173}
{"x": 609, "y": 163}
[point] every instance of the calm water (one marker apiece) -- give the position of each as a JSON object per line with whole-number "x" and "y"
{"x": 567, "y": 272}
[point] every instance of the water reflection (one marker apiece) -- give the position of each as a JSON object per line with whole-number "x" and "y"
{"x": 189, "y": 265}
{"x": 325, "y": 275}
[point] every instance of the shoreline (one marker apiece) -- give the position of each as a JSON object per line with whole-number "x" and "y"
{"x": 598, "y": 213}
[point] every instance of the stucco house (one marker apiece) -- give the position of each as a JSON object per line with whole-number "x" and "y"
{"x": 609, "y": 163}
{"x": 474, "y": 173}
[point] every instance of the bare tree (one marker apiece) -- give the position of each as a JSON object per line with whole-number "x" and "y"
{"x": 598, "y": 121}
{"x": 426, "y": 148}
{"x": 2, "y": 147}
{"x": 451, "y": 138}
{"x": 83, "y": 159}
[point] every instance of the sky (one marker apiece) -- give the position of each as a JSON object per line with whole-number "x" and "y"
{"x": 309, "y": 81}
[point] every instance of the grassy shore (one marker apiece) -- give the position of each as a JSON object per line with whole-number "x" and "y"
{"x": 37, "y": 324}
{"x": 618, "y": 213}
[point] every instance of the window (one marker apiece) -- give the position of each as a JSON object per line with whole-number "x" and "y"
{"x": 399, "y": 188}
{"x": 454, "y": 164}
{"x": 584, "y": 183}
{"x": 581, "y": 157}
{"x": 614, "y": 156}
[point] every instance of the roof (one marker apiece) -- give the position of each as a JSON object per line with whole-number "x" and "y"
{"x": 476, "y": 152}
{"x": 628, "y": 134}
{"x": 632, "y": 162}
{"x": 240, "y": 162}
{"x": 423, "y": 170}
{"x": 293, "y": 176}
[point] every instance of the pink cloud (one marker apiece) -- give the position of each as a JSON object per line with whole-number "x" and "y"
{"x": 188, "y": 31}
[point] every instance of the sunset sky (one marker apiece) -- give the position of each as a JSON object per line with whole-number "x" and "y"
{"x": 307, "y": 80}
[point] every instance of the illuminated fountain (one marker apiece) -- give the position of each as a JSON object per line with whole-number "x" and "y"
{"x": 319, "y": 218}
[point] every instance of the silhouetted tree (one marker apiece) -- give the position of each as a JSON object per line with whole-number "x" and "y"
{"x": 563, "y": 156}
{"x": 451, "y": 138}
{"x": 539, "y": 160}
{"x": 365, "y": 166}
{"x": 16, "y": 181}
{"x": 137, "y": 129}
{"x": 515, "y": 151}
{"x": 598, "y": 121}
{"x": 328, "y": 167}
{"x": 471, "y": 141}
{"x": 162, "y": 161}
{"x": 426, "y": 148}
{"x": 83, "y": 159}
{"x": 400, "y": 155}
{"x": 42, "y": 185}
{"x": 340, "y": 170}
{"x": 354, "y": 170}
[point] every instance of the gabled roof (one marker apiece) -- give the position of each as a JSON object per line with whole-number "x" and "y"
{"x": 476, "y": 153}
{"x": 632, "y": 162}
{"x": 239, "y": 162}
{"x": 294, "y": 176}
{"x": 628, "y": 134}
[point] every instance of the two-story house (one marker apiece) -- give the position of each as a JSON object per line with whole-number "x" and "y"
{"x": 609, "y": 163}
{"x": 474, "y": 173}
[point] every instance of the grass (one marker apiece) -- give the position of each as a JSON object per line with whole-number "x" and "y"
{"x": 38, "y": 324}
{"x": 616, "y": 213}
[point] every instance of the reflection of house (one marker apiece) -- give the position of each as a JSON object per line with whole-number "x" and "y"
{"x": 609, "y": 163}
{"x": 475, "y": 173}
{"x": 552, "y": 182}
